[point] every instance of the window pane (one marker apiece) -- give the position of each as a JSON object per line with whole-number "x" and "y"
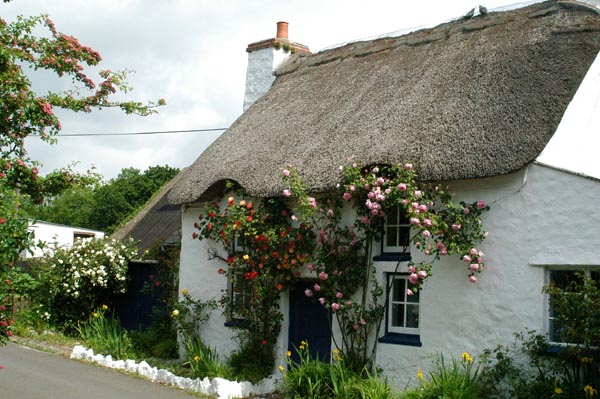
{"x": 562, "y": 278}
{"x": 391, "y": 236}
{"x": 397, "y": 315}
{"x": 398, "y": 290}
{"x": 412, "y": 316}
{"x": 413, "y": 298}
{"x": 403, "y": 236}
{"x": 392, "y": 216}
{"x": 595, "y": 276}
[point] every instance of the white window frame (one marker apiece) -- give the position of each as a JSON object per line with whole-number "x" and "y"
{"x": 404, "y": 301}
{"x": 587, "y": 270}
{"x": 388, "y": 249}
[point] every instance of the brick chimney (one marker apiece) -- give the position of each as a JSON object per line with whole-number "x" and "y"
{"x": 263, "y": 58}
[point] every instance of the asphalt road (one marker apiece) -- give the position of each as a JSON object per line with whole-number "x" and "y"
{"x": 31, "y": 374}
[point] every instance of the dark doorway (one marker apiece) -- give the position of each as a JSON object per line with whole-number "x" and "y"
{"x": 309, "y": 321}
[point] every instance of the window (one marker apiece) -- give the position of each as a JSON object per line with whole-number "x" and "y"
{"x": 396, "y": 237}
{"x": 402, "y": 313}
{"x": 396, "y": 233}
{"x": 240, "y": 295}
{"x": 81, "y": 235}
{"x": 562, "y": 279}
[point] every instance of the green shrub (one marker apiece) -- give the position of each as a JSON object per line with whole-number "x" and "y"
{"x": 253, "y": 361}
{"x": 105, "y": 334}
{"x": 460, "y": 379}
{"x": 204, "y": 361}
{"x": 315, "y": 379}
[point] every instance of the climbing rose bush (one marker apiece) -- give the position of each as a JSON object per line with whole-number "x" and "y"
{"x": 342, "y": 261}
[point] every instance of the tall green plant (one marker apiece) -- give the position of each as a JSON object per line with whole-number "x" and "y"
{"x": 104, "y": 334}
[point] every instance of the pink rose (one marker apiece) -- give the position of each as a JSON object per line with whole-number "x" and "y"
{"x": 312, "y": 202}
{"x": 440, "y": 246}
{"x": 347, "y": 196}
{"x": 408, "y": 166}
{"x": 287, "y": 193}
{"x": 473, "y": 252}
{"x": 474, "y": 266}
{"x": 412, "y": 269}
{"x": 402, "y": 186}
{"x": 481, "y": 204}
{"x": 322, "y": 301}
{"x": 339, "y": 295}
{"x": 356, "y": 327}
{"x": 456, "y": 227}
{"x": 404, "y": 202}
{"x": 335, "y": 306}
{"x": 348, "y": 303}
{"x": 409, "y": 292}
{"x": 323, "y": 276}
{"x": 363, "y": 321}
{"x": 375, "y": 169}
{"x": 310, "y": 267}
{"x": 417, "y": 193}
{"x": 317, "y": 287}
{"x": 413, "y": 278}
{"x": 352, "y": 187}
{"x": 415, "y": 221}
{"x": 467, "y": 258}
{"x": 294, "y": 218}
{"x": 426, "y": 233}
{"x": 422, "y": 274}
{"x": 422, "y": 208}
{"x": 427, "y": 222}
{"x": 308, "y": 292}
{"x": 466, "y": 211}
{"x": 286, "y": 173}
{"x": 473, "y": 279}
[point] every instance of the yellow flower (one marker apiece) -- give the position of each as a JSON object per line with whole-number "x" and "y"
{"x": 185, "y": 291}
{"x": 558, "y": 391}
{"x": 589, "y": 391}
{"x": 246, "y": 258}
{"x": 281, "y": 368}
{"x": 175, "y": 313}
{"x": 242, "y": 203}
{"x": 104, "y": 307}
{"x": 419, "y": 374}
{"x": 95, "y": 314}
{"x": 467, "y": 357}
{"x": 336, "y": 354}
{"x": 586, "y": 359}
{"x": 196, "y": 358}
{"x": 288, "y": 353}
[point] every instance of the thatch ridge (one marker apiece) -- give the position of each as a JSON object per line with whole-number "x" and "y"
{"x": 470, "y": 98}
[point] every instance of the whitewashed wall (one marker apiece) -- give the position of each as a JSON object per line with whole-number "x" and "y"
{"x": 55, "y": 235}
{"x": 539, "y": 216}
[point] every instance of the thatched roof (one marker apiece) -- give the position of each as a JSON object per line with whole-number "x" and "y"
{"x": 157, "y": 221}
{"x": 471, "y": 98}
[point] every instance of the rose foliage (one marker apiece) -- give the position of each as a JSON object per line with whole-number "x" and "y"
{"x": 305, "y": 236}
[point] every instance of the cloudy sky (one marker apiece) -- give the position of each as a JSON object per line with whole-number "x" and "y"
{"x": 192, "y": 53}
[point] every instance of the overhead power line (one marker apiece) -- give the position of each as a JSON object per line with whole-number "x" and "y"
{"x": 138, "y": 133}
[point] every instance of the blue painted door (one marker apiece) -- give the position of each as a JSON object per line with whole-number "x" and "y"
{"x": 309, "y": 321}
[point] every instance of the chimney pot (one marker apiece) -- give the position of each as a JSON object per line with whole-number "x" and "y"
{"x": 282, "y": 30}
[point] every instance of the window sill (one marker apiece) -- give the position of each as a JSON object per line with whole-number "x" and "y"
{"x": 237, "y": 323}
{"x": 394, "y": 257}
{"x": 401, "y": 339}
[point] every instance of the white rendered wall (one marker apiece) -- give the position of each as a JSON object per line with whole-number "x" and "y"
{"x": 56, "y": 235}
{"x": 539, "y": 217}
{"x": 259, "y": 74}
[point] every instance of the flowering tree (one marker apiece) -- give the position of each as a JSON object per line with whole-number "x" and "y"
{"x": 342, "y": 258}
{"x": 23, "y": 113}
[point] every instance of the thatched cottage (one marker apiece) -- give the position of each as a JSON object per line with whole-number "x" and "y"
{"x": 501, "y": 106}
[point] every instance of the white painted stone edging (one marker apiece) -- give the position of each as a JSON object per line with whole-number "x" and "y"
{"x": 220, "y": 387}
